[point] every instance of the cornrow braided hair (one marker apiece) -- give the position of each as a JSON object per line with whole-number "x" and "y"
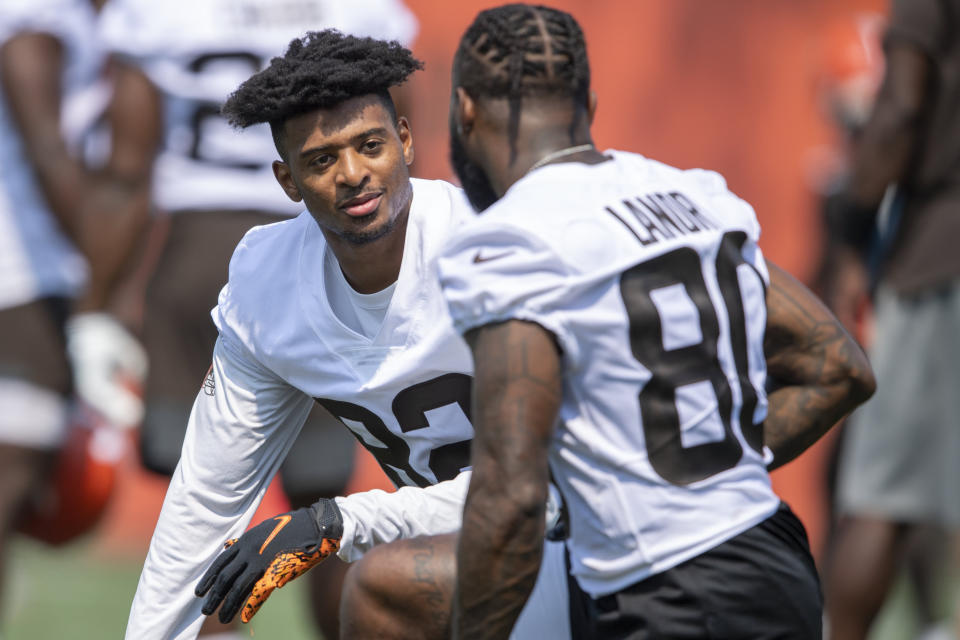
{"x": 319, "y": 71}
{"x": 522, "y": 50}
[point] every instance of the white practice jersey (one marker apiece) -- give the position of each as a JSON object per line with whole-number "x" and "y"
{"x": 197, "y": 52}
{"x": 405, "y": 393}
{"x": 652, "y": 282}
{"x": 36, "y": 259}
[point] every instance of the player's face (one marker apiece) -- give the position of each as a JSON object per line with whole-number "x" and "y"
{"x": 472, "y": 178}
{"x": 349, "y": 165}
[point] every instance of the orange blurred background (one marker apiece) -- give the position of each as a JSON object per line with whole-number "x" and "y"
{"x": 731, "y": 86}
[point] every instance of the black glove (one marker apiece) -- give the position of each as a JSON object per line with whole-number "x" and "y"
{"x": 269, "y": 556}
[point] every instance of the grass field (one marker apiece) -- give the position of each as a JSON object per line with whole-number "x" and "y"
{"x": 79, "y": 593}
{"x": 82, "y": 593}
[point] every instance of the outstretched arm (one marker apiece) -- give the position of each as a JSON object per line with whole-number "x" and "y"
{"x": 517, "y": 396}
{"x": 242, "y": 425}
{"x": 821, "y": 374}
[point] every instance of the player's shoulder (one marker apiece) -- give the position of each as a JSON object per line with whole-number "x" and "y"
{"x": 709, "y": 190}
{"x": 440, "y": 204}
{"x": 263, "y": 272}
{"x": 269, "y": 246}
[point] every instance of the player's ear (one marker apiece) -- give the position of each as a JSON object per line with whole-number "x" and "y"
{"x": 591, "y": 105}
{"x": 466, "y": 112}
{"x": 406, "y": 139}
{"x": 281, "y": 172}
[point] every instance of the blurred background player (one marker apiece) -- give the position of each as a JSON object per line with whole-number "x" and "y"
{"x": 898, "y": 470}
{"x": 55, "y": 211}
{"x": 215, "y": 183}
{"x": 852, "y": 70}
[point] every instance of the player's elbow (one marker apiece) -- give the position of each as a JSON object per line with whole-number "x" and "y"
{"x": 852, "y": 377}
{"x": 862, "y": 384}
{"x": 509, "y": 506}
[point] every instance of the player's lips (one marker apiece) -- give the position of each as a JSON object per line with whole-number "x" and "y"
{"x": 363, "y": 204}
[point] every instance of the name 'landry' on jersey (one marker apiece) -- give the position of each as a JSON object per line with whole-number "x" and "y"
{"x": 652, "y": 282}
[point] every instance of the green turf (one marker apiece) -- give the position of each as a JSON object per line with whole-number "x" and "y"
{"x": 76, "y": 594}
{"x": 72, "y": 593}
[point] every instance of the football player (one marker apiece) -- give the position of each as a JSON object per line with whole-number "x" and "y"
{"x": 618, "y": 311}
{"x": 62, "y": 245}
{"x": 341, "y": 307}
{"x": 211, "y": 184}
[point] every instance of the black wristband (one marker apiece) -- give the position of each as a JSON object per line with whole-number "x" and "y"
{"x": 329, "y": 520}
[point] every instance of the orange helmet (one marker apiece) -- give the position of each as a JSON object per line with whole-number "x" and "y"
{"x": 78, "y": 491}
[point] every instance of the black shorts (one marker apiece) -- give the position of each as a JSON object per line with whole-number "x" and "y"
{"x": 33, "y": 346}
{"x": 179, "y": 336}
{"x": 761, "y": 584}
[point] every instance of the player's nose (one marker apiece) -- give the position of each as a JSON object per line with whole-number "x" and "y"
{"x": 352, "y": 170}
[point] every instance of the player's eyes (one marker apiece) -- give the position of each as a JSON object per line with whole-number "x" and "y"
{"x": 324, "y": 160}
{"x": 372, "y": 145}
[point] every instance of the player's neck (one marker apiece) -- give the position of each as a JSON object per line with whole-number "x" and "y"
{"x": 374, "y": 266}
{"x": 538, "y": 144}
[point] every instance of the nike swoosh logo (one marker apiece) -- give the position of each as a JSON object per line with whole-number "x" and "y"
{"x": 273, "y": 534}
{"x": 479, "y": 258}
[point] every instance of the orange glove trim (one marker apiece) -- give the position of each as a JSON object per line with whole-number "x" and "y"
{"x": 284, "y": 568}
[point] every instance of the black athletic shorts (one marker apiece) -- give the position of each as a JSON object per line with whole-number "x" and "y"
{"x": 33, "y": 345}
{"x": 179, "y": 336}
{"x": 761, "y": 584}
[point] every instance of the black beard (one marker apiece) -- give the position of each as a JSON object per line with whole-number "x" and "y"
{"x": 474, "y": 181}
{"x": 366, "y": 237}
{"x": 359, "y": 238}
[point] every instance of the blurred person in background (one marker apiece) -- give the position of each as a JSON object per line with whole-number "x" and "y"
{"x": 898, "y": 469}
{"x": 852, "y": 71}
{"x": 215, "y": 183}
{"x": 66, "y": 234}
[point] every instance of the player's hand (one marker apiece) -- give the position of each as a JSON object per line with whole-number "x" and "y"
{"x": 269, "y": 556}
{"x": 109, "y": 366}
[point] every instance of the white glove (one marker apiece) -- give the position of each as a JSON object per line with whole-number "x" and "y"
{"x": 109, "y": 366}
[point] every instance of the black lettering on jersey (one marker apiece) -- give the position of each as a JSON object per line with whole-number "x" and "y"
{"x": 662, "y": 216}
{"x": 643, "y": 241}
{"x": 647, "y": 222}
{"x": 677, "y": 213}
{"x": 660, "y": 212}
{"x": 694, "y": 214}
{"x": 410, "y": 408}
{"x": 206, "y": 113}
{"x": 671, "y": 369}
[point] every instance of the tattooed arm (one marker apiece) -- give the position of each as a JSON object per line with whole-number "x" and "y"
{"x": 820, "y": 372}
{"x": 516, "y": 400}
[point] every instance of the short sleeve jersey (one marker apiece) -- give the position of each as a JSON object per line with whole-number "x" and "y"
{"x": 405, "y": 392}
{"x": 651, "y": 280}
{"x": 36, "y": 259}
{"x": 197, "y": 52}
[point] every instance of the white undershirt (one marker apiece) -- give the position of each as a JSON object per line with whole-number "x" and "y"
{"x": 361, "y": 312}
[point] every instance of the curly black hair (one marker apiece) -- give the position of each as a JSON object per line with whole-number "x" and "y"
{"x": 318, "y": 71}
{"x": 519, "y": 50}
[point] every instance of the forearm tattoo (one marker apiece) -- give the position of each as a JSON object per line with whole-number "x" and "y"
{"x": 518, "y": 393}
{"x": 819, "y": 371}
